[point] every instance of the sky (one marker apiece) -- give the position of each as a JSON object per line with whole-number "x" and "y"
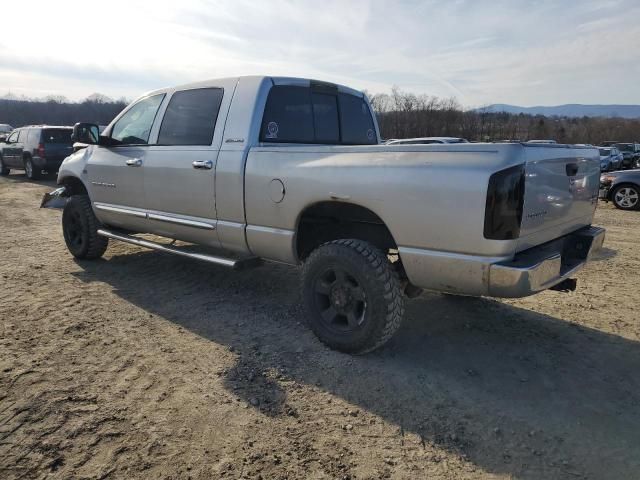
{"x": 523, "y": 52}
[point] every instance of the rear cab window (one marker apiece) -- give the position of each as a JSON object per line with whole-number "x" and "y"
{"x": 356, "y": 121}
{"x": 316, "y": 115}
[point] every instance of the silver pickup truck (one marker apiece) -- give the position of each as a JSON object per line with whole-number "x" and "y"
{"x": 292, "y": 170}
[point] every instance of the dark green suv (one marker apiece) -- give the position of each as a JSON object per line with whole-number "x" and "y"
{"x": 34, "y": 149}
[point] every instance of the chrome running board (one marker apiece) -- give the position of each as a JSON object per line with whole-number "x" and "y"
{"x": 236, "y": 264}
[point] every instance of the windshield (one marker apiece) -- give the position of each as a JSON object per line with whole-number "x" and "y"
{"x": 58, "y": 135}
{"x": 604, "y": 152}
{"x": 625, "y": 147}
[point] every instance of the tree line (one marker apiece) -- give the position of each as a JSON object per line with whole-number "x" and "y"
{"x": 95, "y": 109}
{"x": 406, "y": 115}
{"x": 400, "y": 115}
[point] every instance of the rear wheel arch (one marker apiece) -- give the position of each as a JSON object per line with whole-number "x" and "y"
{"x": 325, "y": 221}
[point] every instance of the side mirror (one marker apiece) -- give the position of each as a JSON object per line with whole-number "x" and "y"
{"x": 88, "y": 133}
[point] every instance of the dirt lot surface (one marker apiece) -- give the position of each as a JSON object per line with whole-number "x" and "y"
{"x": 142, "y": 365}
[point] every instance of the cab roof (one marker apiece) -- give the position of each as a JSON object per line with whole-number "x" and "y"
{"x": 213, "y": 82}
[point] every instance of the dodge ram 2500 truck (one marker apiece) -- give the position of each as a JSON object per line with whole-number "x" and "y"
{"x": 291, "y": 170}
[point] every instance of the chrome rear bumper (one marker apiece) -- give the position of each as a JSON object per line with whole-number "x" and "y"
{"x": 542, "y": 267}
{"x": 529, "y": 272}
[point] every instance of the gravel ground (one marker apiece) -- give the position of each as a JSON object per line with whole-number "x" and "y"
{"x": 142, "y": 365}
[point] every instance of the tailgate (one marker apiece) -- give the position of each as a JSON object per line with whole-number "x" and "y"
{"x": 57, "y": 151}
{"x": 561, "y": 192}
{"x": 57, "y": 143}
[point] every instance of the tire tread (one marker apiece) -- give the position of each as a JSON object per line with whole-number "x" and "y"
{"x": 384, "y": 275}
{"x": 96, "y": 244}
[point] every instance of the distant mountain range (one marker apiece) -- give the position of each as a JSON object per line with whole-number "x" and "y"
{"x": 570, "y": 110}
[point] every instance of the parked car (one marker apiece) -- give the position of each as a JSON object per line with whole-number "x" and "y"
{"x": 622, "y": 188}
{"x": 5, "y": 130}
{"x": 630, "y": 153}
{"x": 426, "y": 141}
{"x": 610, "y": 159}
{"x": 291, "y": 170}
{"x": 34, "y": 149}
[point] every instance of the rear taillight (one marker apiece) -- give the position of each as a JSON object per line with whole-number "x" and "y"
{"x": 41, "y": 150}
{"x": 505, "y": 198}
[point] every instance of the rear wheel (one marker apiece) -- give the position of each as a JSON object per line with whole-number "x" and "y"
{"x": 352, "y": 295}
{"x": 80, "y": 229}
{"x": 626, "y": 197}
{"x": 30, "y": 169}
{"x": 4, "y": 170}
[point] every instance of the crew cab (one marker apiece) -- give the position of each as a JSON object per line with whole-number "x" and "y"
{"x": 291, "y": 170}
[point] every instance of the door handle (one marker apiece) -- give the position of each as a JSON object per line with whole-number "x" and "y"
{"x": 203, "y": 164}
{"x": 134, "y": 162}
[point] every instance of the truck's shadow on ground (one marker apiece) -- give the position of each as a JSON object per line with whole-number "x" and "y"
{"x": 517, "y": 392}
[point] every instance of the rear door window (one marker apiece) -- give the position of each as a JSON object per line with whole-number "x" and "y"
{"x": 356, "y": 121}
{"x": 190, "y": 118}
{"x": 34, "y": 135}
{"x": 56, "y": 135}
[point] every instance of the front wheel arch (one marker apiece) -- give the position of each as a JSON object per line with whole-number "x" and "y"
{"x": 73, "y": 186}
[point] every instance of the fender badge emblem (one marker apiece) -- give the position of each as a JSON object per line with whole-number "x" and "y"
{"x": 104, "y": 184}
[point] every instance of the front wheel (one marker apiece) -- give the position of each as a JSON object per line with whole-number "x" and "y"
{"x": 80, "y": 229}
{"x": 626, "y": 197}
{"x": 352, "y": 295}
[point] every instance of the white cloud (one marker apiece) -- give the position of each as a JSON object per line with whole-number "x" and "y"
{"x": 523, "y": 52}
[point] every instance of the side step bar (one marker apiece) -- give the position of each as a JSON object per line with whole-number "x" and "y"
{"x": 236, "y": 264}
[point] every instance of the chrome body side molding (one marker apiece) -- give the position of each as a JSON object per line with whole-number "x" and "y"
{"x": 180, "y": 221}
{"x": 123, "y": 210}
{"x": 154, "y": 216}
